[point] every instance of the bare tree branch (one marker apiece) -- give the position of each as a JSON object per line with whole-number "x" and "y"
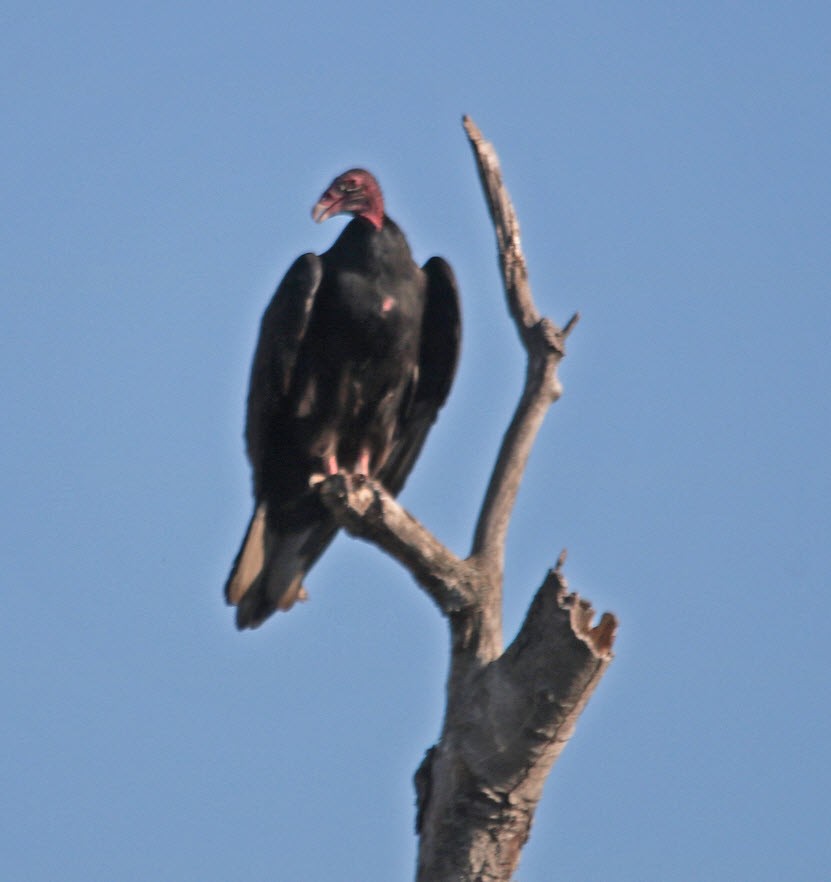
{"x": 509, "y": 714}
{"x": 543, "y": 341}
{"x": 506, "y": 226}
{"x": 364, "y": 509}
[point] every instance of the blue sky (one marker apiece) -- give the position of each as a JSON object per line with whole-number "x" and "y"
{"x": 669, "y": 163}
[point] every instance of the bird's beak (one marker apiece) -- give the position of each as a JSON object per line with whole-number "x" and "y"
{"x": 336, "y": 201}
{"x": 329, "y": 204}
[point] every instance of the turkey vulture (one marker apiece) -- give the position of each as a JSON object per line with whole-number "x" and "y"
{"x": 356, "y": 355}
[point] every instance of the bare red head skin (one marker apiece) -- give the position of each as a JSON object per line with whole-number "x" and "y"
{"x": 355, "y": 192}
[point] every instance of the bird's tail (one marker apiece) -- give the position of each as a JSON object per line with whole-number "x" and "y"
{"x": 268, "y": 572}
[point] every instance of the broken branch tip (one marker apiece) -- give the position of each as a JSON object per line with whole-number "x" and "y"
{"x": 603, "y": 634}
{"x": 570, "y": 324}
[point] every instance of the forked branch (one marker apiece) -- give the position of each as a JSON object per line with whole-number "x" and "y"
{"x": 509, "y": 714}
{"x": 366, "y": 510}
{"x": 544, "y": 343}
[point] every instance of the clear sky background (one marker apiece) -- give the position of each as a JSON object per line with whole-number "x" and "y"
{"x": 670, "y": 167}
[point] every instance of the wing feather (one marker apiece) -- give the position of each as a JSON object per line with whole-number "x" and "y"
{"x": 438, "y": 357}
{"x": 282, "y": 331}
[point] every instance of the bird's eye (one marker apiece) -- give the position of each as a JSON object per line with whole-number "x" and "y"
{"x": 350, "y": 186}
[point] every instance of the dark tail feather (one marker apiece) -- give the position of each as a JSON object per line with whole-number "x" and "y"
{"x": 249, "y": 560}
{"x": 268, "y": 571}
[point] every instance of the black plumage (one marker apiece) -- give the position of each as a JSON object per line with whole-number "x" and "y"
{"x": 356, "y": 356}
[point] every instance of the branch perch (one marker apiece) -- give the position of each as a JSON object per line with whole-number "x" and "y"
{"x": 364, "y": 509}
{"x": 509, "y": 714}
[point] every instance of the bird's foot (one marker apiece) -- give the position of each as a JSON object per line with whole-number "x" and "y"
{"x": 330, "y": 468}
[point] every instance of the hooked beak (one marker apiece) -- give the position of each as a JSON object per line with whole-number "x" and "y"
{"x": 337, "y": 201}
{"x": 329, "y": 204}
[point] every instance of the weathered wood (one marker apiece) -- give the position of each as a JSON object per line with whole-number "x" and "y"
{"x": 509, "y": 713}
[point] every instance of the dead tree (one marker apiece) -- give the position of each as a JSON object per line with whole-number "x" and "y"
{"x": 509, "y": 711}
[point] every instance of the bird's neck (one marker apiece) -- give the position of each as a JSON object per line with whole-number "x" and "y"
{"x": 361, "y": 245}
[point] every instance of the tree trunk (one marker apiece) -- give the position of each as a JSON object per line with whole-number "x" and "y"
{"x": 509, "y": 713}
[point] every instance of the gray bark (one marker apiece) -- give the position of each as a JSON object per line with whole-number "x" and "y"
{"x": 509, "y": 713}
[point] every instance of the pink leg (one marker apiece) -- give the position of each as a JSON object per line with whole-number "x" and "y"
{"x": 330, "y": 463}
{"x": 362, "y": 465}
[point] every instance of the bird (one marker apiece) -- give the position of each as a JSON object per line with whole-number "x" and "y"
{"x": 356, "y": 356}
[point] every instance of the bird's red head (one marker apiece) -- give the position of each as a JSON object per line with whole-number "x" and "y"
{"x": 354, "y": 192}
